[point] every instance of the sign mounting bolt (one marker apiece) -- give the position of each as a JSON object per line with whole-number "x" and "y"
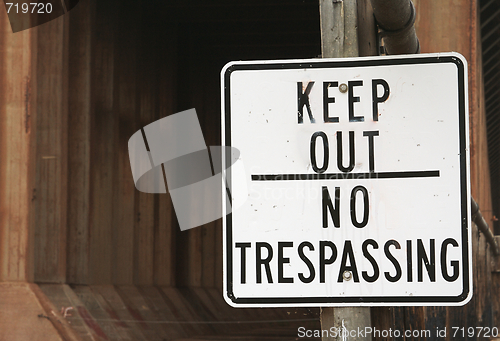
{"x": 347, "y": 275}
{"x": 343, "y": 88}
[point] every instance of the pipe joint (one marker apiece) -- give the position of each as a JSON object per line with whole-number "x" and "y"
{"x": 403, "y": 32}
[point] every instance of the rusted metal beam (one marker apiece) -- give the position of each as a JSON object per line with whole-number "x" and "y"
{"x": 477, "y": 218}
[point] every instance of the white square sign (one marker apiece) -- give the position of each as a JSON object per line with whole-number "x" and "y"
{"x": 357, "y": 173}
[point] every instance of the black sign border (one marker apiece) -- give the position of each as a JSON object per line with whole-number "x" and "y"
{"x": 465, "y": 205}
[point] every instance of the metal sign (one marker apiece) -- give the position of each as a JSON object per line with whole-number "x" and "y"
{"x": 357, "y": 178}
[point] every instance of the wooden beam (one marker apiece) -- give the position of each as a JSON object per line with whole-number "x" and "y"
{"x": 50, "y": 192}
{"x": 17, "y": 134}
{"x": 21, "y": 316}
{"x": 125, "y": 99}
{"x": 146, "y": 203}
{"x": 58, "y": 320}
{"x": 79, "y": 116}
{"x": 165, "y": 243}
{"x": 350, "y": 45}
{"x": 102, "y": 142}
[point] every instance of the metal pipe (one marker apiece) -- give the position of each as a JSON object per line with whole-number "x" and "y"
{"x": 478, "y": 219}
{"x": 396, "y": 18}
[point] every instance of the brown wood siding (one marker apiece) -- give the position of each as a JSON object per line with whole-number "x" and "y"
{"x": 17, "y": 142}
{"x": 79, "y": 118}
{"x": 104, "y": 71}
{"x": 75, "y": 89}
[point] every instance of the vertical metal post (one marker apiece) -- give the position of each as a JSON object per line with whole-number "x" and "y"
{"x": 339, "y": 38}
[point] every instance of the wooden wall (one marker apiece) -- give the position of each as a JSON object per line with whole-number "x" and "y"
{"x": 17, "y": 134}
{"x": 75, "y": 89}
{"x": 100, "y": 79}
{"x": 97, "y": 75}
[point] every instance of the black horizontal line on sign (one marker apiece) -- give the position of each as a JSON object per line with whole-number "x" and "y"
{"x": 346, "y": 176}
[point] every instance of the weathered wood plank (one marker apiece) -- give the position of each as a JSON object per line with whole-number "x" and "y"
{"x": 208, "y": 251}
{"x": 435, "y": 320}
{"x": 165, "y": 315}
{"x": 218, "y": 255}
{"x": 165, "y": 245}
{"x": 146, "y": 204}
{"x": 218, "y": 312}
{"x": 259, "y": 323}
{"x": 204, "y": 314}
{"x": 51, "y": 157}
{"x": 125, "y": 88}
{"x": 495, "y": 280}
{"x": 101, "y": 317}
{"x": 138, "y": 308}
{"x": 20, "y": 315}
{"x": 123, "y": 332}
{"x": 190, "y": 255}
{"x": 56, "y": 316}
{"x": 350, "y": 46}
{"x": 184, "y": 311}
{"x": 332, "y": 28}
{"x": 164, "y": 258}
{"x": 63, "y": 298}
{"x": 367, "y": 29}
{"x": 246, "y": 314}
{"x": 195, "y": 98}
{"x": 144, "y": 238}
{"x": 482, "y": 306}
{"x": 102, "y": 143}
{"x": 381, "y": 319}
{"x": 79, "y": 112}
{"x": 414, "y": 321}
{"x": 17, "y": 148}
{"x": 119, "y": 312}
{"x": 210, "y": 120}
{"x": 82, "y": 314}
